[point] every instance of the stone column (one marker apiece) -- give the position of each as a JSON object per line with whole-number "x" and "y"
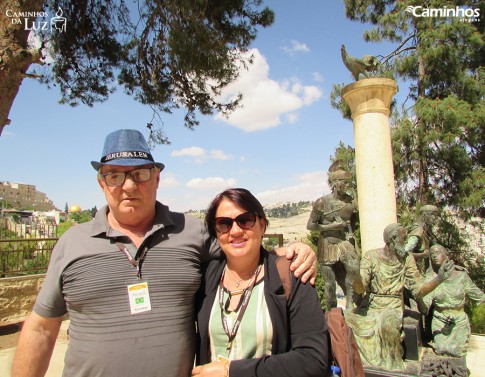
{"x": 370, "y": 100}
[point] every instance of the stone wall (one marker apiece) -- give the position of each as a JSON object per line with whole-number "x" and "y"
{"x": 17, "y": 297}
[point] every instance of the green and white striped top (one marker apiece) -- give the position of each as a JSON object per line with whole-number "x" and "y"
{"x": 255, "y": 334}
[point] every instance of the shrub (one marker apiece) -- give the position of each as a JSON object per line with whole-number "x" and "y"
{"x": 477, "y": 319}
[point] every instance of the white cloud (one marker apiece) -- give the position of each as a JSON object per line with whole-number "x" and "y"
{"x": 296, "y": 46}
{"x": 310, "y": 186}
{"x": 192, "y": 152}
{"x": 167, "y": 179}
{"x": 265, "y": 100}
{"x": 292, "y": 118}
{"x": 215, "y": 183}
{"x": 201, "y": 154}
{"x": 311, "y": 94}
{"x": 218, "y": 154}
{"x": 317, "y": 76}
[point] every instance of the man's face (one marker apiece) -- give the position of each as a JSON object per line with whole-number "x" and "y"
{"x": 131, "y": 202}
{"x": 430, "y": 217}
{"x": 399, "y": 242}
{"x": 340, "y": 185}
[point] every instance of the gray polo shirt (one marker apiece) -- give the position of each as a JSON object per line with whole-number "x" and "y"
{"x": 88, "y": 277}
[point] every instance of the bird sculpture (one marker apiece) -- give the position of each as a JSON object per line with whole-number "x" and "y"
{"x": 357, "y": 66}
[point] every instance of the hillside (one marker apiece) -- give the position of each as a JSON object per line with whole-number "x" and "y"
{"x": 293, "y": 228}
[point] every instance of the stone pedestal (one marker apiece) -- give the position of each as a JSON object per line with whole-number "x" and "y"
{"x": 369, "y": 101}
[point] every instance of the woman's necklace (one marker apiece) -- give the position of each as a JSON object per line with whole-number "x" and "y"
{"x": 236, "y": 281}
{"x": 243, "y": 302}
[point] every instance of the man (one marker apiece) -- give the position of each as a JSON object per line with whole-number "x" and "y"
{"x": 377, "y": 323}
{"x": 127, "y": 279}
{"x": 334, "y": 216}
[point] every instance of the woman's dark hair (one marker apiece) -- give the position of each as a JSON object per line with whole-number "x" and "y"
{"x": 242, "y": 197}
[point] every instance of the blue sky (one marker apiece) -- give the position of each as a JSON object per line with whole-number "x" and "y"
{"x": 278, "y": 145}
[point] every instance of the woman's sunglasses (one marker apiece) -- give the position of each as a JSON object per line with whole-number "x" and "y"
{"x": 245, "y": 221}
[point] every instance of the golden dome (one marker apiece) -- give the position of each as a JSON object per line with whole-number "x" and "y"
{"x": 74, "y": 209}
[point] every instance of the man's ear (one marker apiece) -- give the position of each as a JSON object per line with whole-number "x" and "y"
{"x": 100, "y": 182}
{"x": 158, "y": 177}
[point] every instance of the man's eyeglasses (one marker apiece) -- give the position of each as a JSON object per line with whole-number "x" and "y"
{"x": 245, "y": 221}
{"x": 118, "y": 178}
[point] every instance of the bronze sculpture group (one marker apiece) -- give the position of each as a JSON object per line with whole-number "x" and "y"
{"x": 408, "y": 281}
{"x": 411, "y": 261}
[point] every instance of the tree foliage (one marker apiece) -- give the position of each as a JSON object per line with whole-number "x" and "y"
{"x": 438, "y": 133}
{"x": 166, "y": 54}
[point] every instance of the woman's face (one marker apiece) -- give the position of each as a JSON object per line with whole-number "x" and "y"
{"x": 238, "y": 242}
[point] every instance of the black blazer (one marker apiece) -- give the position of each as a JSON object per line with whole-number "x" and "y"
{"x": 300, "y": 336}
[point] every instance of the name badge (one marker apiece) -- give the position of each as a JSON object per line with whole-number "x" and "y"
{"x": 139, "y": 298}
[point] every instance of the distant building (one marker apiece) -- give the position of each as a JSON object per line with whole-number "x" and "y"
{"x": 23, "y": 196}
{"x": 31, "y": 224}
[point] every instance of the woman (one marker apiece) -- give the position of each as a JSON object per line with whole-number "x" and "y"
{"x": 450, "y": 325}
{"x": 272, "y": 336}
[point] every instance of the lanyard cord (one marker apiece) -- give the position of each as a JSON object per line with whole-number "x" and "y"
{"x": 135, "y": 262}
{"x": 231, "y": 334}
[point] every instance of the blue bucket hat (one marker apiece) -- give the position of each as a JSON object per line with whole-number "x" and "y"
{"x": 126, "y": 148}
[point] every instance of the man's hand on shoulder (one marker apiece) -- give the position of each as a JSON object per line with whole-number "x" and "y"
{"x": 304, "y": 260}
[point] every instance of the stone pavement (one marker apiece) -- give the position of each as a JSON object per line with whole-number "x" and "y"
{"x": 475, "y": 357}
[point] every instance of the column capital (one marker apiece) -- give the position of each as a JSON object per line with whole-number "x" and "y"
{"x": 370, "y": 96}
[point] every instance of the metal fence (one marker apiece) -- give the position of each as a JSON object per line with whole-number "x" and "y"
{"x": 25, "y": 256}
{"x": 25, "y": 247}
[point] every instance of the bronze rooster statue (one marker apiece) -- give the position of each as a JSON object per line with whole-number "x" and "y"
{"x": 356, "y": 66}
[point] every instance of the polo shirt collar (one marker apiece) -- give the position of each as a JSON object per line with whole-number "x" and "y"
{"x": 162, "y": 220}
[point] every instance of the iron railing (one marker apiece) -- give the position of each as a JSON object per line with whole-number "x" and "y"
{"x": 25, "y": 256}
{"x": 25, "y": 246}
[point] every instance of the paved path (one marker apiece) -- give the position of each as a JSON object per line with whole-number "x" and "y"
{"x": 475, "y": 357}
{"x": 57, "y": 361}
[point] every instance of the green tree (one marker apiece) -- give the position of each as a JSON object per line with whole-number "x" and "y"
{"x": 438, "y": 133}
{"x": 82, "y": 217}
{"x": 167, "y": 55}
{"x": 64, "y": 227}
